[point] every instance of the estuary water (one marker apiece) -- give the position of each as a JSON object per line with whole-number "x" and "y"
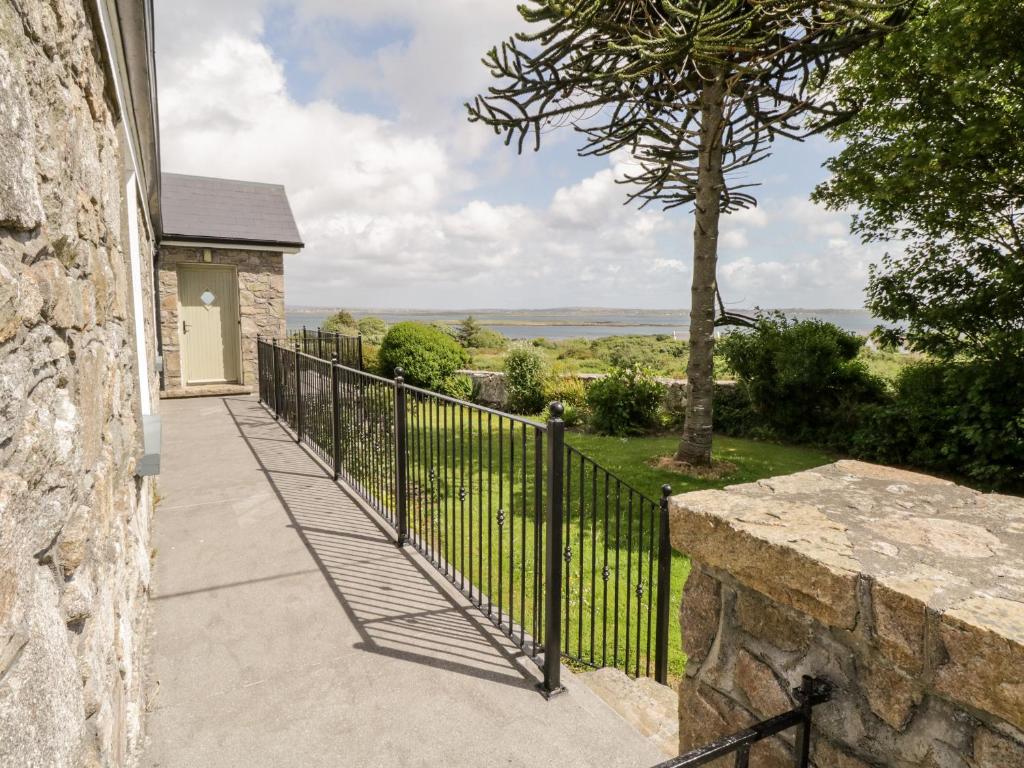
{"x": 573, "y": 322}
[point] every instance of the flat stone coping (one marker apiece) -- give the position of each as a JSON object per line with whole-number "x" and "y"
{"x": 931, "y": 572}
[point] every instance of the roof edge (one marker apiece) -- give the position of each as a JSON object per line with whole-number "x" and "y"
{"x": 169, "y": 238}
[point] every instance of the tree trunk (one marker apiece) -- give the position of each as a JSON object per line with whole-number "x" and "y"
{"x": 695, "y": 447}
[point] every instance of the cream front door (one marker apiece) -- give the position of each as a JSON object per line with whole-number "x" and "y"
{"x": 208, "y": 298}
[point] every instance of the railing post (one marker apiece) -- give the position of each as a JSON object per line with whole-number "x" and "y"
{"x": 261, "y": 369}
{"x": 664, "y": 591}
{"x": 298, "y": 396}
{"x": 337, "y": 346}
{"x": 335, "y": 414}
{"x": 277, "y": 399}
{"x": 360, "y": 350}
{"x": 401, "y": 469}
{"x": 802, "y": 746}
{"x": 319, "y": 344}
{"x": 553, "y": 553}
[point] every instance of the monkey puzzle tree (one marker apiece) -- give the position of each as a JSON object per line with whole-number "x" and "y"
{"x": 695, "y": 91}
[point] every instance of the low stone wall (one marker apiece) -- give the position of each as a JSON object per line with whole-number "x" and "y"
{"x": 260, "y": 303}
{"x": 491, "y": 390}
{"x": 905, "y": 591}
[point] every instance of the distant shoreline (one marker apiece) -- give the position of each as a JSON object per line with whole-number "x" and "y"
{"x": 586, "y": 322}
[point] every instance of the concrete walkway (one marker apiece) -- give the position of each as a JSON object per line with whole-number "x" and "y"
{"x": 290, "y": 631}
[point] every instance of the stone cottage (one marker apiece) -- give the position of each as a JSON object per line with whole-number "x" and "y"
{"x": 221, "y": 279}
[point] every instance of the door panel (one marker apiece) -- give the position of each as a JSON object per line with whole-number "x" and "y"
{"x": 208, "y": 299}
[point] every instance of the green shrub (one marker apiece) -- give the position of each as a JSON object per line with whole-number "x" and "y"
{"x": 571, "y": 392}
{"x": 567, "y": 390}
{"x": 459, "y": 386}
{"x": 803, "y": 378}
{"x": 572, "y": 415}
{"x": 625, "y": 402}
{"x": 373, "y": 330}
{"x": 340, "y": 322}
{"x": 488, "y": 338}
{"x": 426, "y": 354}
{"x": 472, "y": 335}
{"x": 956, "y": 417}
{"x": 524, "y": 379}
{"x": 371, "y": 358}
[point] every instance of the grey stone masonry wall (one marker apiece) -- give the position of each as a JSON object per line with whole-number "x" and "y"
{"x": 905, "y": 591}
{"x": 74, "y": 518}
{"x": 260, "y": 302}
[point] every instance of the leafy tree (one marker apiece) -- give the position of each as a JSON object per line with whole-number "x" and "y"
{"x": 467, "y": 331}
{"x": 372, "y": 329}
{"x": 695, "y": 91}
{"x": 340, "y": 322}
{"x": 935, "y": 157}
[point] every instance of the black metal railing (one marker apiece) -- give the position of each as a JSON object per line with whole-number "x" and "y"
{"x": 326, "y": 345}
{"x": 563, "y": 556}
{"x": 812, "y": 692}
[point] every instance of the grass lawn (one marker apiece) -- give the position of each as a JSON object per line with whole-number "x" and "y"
{"x": 474, "y": 502}
{"x": 631, "y": 457}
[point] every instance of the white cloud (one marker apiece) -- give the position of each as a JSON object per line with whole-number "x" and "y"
{"x": 391, "y": 208}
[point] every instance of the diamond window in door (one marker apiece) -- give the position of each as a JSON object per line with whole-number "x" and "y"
{"x": 207, "y": 298}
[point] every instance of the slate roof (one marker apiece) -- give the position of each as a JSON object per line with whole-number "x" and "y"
{"x": 203, "y": 209}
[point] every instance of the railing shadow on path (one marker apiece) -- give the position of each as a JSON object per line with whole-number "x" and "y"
{"x": 395, "y": 602}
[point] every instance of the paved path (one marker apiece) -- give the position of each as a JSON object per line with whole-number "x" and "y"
{"x": 290, "y": 631}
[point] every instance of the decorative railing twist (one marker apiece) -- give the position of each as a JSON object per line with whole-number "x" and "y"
{"x": 560, "y": 554}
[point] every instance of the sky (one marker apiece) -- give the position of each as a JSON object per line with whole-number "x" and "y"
{"x": 357, "y": 108}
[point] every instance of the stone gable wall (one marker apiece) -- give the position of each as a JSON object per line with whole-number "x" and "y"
{"x": 74, "y": 518}
{"x": 904, "y": 591}
{"x": 260, "y": 300}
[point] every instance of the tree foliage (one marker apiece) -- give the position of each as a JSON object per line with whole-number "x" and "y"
{"x": 625, "y": 402}
{"x": 525, "y": 373}
{"x": 340, "y": 322}
{"x": 467, "y": 330}
{"x": 934, "y": 157}
{"x": 628, "y": 75}
{"x": 803, "y": 378}
{"x": 372, "y": 329}
{"x": 695, "y": 91}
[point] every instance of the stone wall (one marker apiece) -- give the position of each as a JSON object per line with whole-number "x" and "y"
{"x": 260, "y": 302}
{"x": 904, "y": 591}
{"x": 74, "y": 518}
{"x": 490, "y": 388}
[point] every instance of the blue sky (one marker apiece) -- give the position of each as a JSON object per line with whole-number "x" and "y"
{"x": 357, "y": 109}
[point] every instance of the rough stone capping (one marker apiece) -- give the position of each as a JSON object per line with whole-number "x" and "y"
{"x": 906, "y": 590}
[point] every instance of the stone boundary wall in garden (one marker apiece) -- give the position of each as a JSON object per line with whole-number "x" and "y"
{"x": 905, "y": 591}
{"x": 490, "y": 388}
